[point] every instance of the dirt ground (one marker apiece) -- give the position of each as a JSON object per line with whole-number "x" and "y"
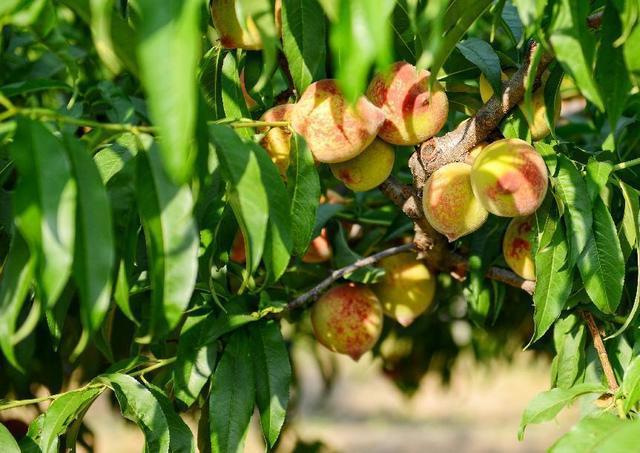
{"x": 479, "y": 412}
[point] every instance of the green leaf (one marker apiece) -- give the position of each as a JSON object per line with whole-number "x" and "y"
{"x": 232, "y": 397}
{"x": 547, "y": 405}
{"x": 602, "y": 264}
{"x": 553, "y": 283}
{"x": 572, "y": 189}
{"x": 631, "y": 384}
{"x": 172, "y": 242}
{"x": 233, "y": 101}
{"x": 181, "y": 438}
{"x": 530, "y": 11}
{"x": 611, "y": 73}
{"x": 17, "y": 273}
{"x": 569, "y": 335}
{"x": 597, "y": 433}
{"x": 272, "y": 375}
{"x": 631, "y": 52}
{"x": 628, "y": 230}
{"x": 360, "y": 36}
{"x": 481, "y": 54}
{"x": 139, "y": 405}
{"x": 101, "y": 33}
{"x": 62, "y": 412}
{"x": 120, "y": 32}
{"x": 574, "y": 46}
{"x": 404, "y": 36}
{"x": 304, "y": 41}
{"x": 197, "y": 350}
{"x": 303, "y": 184}
{"x": 461, "y": 15}
{"x": 168, "y": 51}
{"x": 32, "y": 86}
{"x": 552, "y": 97}
{"x": 343, "y": 256}
{"x": 7, "y": 443}
{"x": 211, "y": 81}
{"x": 94, "y": 248}
{"x": 597, "y": 177}
{"x": 45, "y": 205}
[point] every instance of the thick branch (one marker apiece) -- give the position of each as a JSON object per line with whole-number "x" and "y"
{"x": 321, "y": 287}
{"x": 602, "y": 352}
{"x": 453, "y": 146}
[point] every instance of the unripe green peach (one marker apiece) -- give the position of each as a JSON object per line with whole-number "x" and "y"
{"x": 449, "y": 203}
{"x": 412, "y": 112}
{"x": 368, "y": 169}
{"x": 319, "y": 250}
{"x": 347, "y": 319}
{"x": 232, "y": 34}
{"x": 516, "y": 247}
{"x": 407, "y": 288}
{"x": 509, "y": 178}
{"x": 335, "y": 131}
{"x": 277, "y": 140}
{"x": 538, "y": 125}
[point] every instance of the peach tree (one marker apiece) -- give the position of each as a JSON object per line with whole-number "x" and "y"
{"x": 189, "y": 188}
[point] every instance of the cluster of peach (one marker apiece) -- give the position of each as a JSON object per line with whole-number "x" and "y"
{"x": 400, "y": 107}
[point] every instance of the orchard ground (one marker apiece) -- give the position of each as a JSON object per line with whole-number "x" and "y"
{"x": 478, "y": 412}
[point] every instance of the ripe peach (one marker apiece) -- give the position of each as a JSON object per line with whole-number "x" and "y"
{"x": 232, "y": 34}
{"x": 509, "y": 178}
{"x": 335, "y": 131}
{"x": 238, "y": 253}
{"x": 538, "y": 125}
{"x": 277, "y": 140}
{"x": 368, "y": 169}
{"x": 449, "y": 203}
{"x": 412, "y": 112}
{"x": 347, "y": 319}
{"x": 319, "y": 250}
{"x": 516, "y": 247}
{"x": 407, "y": 288}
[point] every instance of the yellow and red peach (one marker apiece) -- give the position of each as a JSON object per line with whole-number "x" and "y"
{"x": 231, "y": 33}
{"x": 509, "y": 178}
{"x": 412, "y": 112}
{"x": 319, "y": 250}
{"x": 538, "y": 124}
{"x": 368, "y": 169}
{"x": 475, "y": 151}
{"x": 335, "y": 131}
{"x": 347, "y": 319}
{"x": 449, "y": 203}
{"x": 516, "y": 247}
{"x": 277, "y": 140}
{"x": 407, "y": 288}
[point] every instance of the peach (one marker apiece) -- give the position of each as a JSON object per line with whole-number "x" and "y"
{"x": 449, "y": 203}
{"x": 277, "y": 140}
{"x": 509, "y": 178}
{"x": 347, "y": 319}
{"x": 232, "y": 34}
{"x": 407, "y": 288}
{"x": 238, "y": 253}
{"x": 516, "y": 247}
{"x": 538, "y": 125}
{"x": 412, "y": 112}
{"x": 335, "y": 131}
{"x": 319, "y": 250}
{"x": 368, "y": 169}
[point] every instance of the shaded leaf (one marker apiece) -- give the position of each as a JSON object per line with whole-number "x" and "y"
{"x": 181, "y": 438}
{"x": 7, "y": 443}
{"x": 481, "y": 54}
{"x": 631, "y": 384}
{"x": 172, "y": 242}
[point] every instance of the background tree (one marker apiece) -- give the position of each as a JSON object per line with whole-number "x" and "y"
{"x": 153, "y": 247}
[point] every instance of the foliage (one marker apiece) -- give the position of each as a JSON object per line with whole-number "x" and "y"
{"x": 130, "y": 163}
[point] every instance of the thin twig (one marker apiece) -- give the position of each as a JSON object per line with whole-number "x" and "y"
{"x": 602, "y": 352}
{"x": 315, "y": 292}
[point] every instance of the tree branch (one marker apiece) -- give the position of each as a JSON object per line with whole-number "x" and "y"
{"x": 602, "y": 352}
{"x": 453, "y": 146}
{"x": 321, "y": 287}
